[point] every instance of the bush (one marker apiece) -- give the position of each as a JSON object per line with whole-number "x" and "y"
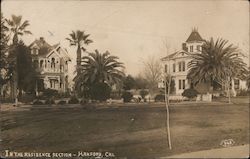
{"x": 50, "y": 101}
{"x": 160, "y": 98}
{"x": 73, "y": 100}
{"x": 61, "y": 102}
{"x": 83, "y": 101}
{"x": 127, "y": 96}
{"x": 50, "y": 93}
{"x": 27, "y": 98}
{"x": 143, "y": 93}
{"x": 243, "y": 92}
{"x": 38, "y": 102}
{"x": 100, "y": 91}
{"x": 190, "y": 93}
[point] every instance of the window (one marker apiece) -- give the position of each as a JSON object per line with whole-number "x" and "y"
{"x": 198, "y": 48}
{"x": 53, "y": 64}
{"x": 51, "y": 85}
{"x": 179, "y": 84}
{"x": 191, "y": 48}
{"x": 179, "y": 63}
{"x": 183, "y": 84}
{"x": 166, "y": 68}
{"x": 183, "y": 66}
{"x": 41, "y": 63}
{"x": 174, "y": 67}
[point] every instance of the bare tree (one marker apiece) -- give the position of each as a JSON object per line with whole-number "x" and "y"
{"x": 152, "y": 73}
{"x": 167, "y": 83}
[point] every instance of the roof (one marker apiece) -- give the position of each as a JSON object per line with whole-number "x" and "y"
{"x": 173, "y": 55}
{"x": 194, "y": 36}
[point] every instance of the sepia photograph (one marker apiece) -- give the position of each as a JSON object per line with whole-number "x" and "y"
{"x": 142, "y": 79}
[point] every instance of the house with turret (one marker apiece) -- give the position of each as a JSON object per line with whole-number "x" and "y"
{"x": 176, "y": 64}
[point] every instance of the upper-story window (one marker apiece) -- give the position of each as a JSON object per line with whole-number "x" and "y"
{"x": 35, "y": 51}
{"x": 166, "y": 68}
{"x": 41, "y": 63}
{"x": 198, "y": 48}
{"x": 182, "y": 66}
{"x": 53, "y": 63}
{"x": 174, "y": 67}
{"x": 191, "y": 48}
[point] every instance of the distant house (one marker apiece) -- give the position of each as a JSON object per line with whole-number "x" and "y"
{"x": 177, "y": 64}
{"x": 51, "y": 64}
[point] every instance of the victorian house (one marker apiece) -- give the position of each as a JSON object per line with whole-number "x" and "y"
{"x": 51, "y": 64}
{"x": 177, "y": 65}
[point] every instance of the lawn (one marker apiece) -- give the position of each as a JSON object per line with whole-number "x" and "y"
{"x": 133, "y": 131}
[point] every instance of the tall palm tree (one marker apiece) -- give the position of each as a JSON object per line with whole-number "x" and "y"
{"x": 218, "y": 62}
{"x": 17, "y": 28}
{"x": 79, "y": 39}
{"x": 99, "y": 68}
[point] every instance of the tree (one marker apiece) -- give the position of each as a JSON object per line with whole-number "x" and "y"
{"x": 143, "y": 93}
{"x": 217, "y": 62}
{"x": 4, "y": 73}
{"x": 24, "y": 69}
{"x": 152, "y": 73}
{"x": 99, "y": 68}
{"x": 16, "y": 28}
{"x": 79, "y": 39}
{"x": 140, "y": 82}
{"x": 129, "y": 83}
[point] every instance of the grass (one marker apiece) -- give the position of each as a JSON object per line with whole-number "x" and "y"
{"x": 127, "y": 132}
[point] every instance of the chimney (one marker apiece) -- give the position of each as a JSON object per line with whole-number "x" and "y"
{"x": 42, "y": 40}
{"x": 184, "y": 47}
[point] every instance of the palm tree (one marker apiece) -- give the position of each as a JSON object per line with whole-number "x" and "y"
{"x": 218, "y": 62}
{"x": 79, "y": 39}
{"x": 99, "y": 68}
{"x": 17, "y": 28}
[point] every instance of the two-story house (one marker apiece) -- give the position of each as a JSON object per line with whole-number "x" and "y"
{"x": 176, "y": 64}
{"x": 51, "y": 64}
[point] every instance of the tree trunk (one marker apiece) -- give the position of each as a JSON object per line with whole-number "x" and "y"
{"x": 167, "y": 92}
{"x": 78, "y": 59}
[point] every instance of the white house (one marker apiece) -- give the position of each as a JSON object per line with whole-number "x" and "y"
{"x": 177, "y": 65}
{"x": 51, "y": 64}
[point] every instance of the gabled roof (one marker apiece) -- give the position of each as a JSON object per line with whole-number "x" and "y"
{"x": 174, "y": 55}
{"x": 194, "y": 36}
{"x": 46, "y": 49}
{"x": 40, "y": 43}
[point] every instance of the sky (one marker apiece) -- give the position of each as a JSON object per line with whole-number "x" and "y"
{"x": 133, "y": 30}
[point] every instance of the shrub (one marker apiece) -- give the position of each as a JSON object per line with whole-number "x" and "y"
{"x": 143, "y": 93}
{"x": 38, "y": 102}
{"x": 160, "y": 98}
{"x": 243, "y": 92}
{"x": 73, "y": 100}
{"x": 50, "y": 93}
{"x": 127, "y": 96}
{"x": 100, "y": 91}
{"x": 190, "y": 93}
{"x": 27, "y": 98}
{"x": 83, "y": 101}
{"x": 61, "y": 102}
{"x": 50, "y": 101}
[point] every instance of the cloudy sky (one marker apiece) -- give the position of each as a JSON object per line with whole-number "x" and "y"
{"x": 133, "y": 30}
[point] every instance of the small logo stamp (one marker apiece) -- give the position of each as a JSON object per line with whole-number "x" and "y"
{"x": 227, "y": 142}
